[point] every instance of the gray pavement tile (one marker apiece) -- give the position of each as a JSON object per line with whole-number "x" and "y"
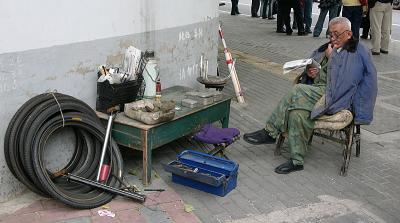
{"x": 155, "y": 214}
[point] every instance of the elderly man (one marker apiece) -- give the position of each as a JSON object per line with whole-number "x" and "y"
{"x": 347, "y": 79}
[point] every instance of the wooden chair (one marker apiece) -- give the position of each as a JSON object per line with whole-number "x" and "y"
{"x": 339, "y": 128}
{"x": 347, "y": 136}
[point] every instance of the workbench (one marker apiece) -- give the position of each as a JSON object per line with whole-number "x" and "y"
{"x": 139, "y": 136}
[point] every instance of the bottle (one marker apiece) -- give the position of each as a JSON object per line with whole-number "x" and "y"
{"x": 150, "y": 74}
{"x": 158, "y": 89}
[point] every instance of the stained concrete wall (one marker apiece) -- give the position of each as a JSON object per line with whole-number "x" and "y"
{"x": 57, "y": 45}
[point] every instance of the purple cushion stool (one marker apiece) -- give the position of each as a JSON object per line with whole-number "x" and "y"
{"x": 219, "y": 137}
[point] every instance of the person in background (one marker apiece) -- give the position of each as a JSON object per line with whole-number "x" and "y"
{"x": 307, "y": 14}
{"x": 255, "y": 6}
{"x": 365, "y": 25}
{"x": 353, "y": 10}
{"x": 331, "y": 6}
{"x": 347, "y": 80}
{"x": 266, "y": 9}
{"x": 235, "y": 7}
{"x": 381, "y": 22}
{"x": 279, "y": 18}
{"x": 287, "y": 6}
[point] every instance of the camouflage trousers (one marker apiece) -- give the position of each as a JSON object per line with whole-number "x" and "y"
{"x": 292, "y": 116}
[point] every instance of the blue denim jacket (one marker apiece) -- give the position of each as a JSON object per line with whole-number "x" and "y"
{"x": 351, "y": 83}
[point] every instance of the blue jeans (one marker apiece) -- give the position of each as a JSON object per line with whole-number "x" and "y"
{"x": 308, "y": 13}
{"x": 333, "y": 10}
{"x": 354, "y": 14}
{"x": 266, "y": 4}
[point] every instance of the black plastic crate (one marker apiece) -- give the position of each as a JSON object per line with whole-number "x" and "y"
{"x": 110, "y": 95}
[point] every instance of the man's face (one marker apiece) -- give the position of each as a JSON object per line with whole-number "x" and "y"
{"x": 339, "y": 35}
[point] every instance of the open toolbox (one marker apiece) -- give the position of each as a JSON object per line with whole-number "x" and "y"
{"x": 204, "y": 172}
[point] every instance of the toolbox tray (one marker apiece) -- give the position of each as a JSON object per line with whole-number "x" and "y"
{"x": 198, "y": 174}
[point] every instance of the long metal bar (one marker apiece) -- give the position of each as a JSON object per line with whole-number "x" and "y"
{"x": 231, "y": 68}
{"x": 81, "y": 180}
{"x": 105, "y": 144}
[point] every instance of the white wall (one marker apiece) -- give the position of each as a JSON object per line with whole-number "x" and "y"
{"x": 27, "y": 24}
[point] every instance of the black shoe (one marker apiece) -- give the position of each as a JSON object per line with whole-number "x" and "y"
{"x": 254, "y": 15}
{"x": 288, "y": 167}
{"x": 289, "y": 33}
{"x": 259, "y": 137}
{"x": 264, "y": 17}
{"x": 308, "y": 30}
{"x": 238, "y": 13}
{"x": 302, "y": 34}
{"x": 271, "y": 18}
{"x": 375, "y": 53}
{"x": 384, "y": 51}
{"x": 281, "y": 31}
{"x": 364, "y": 36}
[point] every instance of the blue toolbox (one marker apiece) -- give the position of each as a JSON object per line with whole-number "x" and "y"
{"x": 204, "y": 172}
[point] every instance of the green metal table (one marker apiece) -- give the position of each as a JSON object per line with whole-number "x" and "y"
{"x": 139, "y": 136}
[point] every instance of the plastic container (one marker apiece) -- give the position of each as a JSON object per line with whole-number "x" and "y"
{"x": 150, "y": 75}
{"x": 109, "y": 95}
{"x": 204, "y": 172}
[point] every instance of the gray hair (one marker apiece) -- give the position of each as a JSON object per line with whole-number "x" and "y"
{"x": 341, "y": 20}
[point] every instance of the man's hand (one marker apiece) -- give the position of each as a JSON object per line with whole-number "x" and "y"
{"x": 312, "y": 72}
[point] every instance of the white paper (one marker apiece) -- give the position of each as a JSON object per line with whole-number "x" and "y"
{"x": 131, "y": 62}
{"x": 107, "y": 213}
{"x": 296, "y": 64}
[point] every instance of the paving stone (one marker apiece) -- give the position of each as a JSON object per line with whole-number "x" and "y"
{"x": 58, "y": 214}
{"x": 178, "y": 214}
{"x": 22, "y": 218}
{"x": 130, "y": 215}
{"x": 77, "y": 220}
{"x": 36, "y": 206}
{"x": 155, "y": 214}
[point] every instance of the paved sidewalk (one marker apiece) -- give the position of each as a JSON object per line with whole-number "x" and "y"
{"x": 370, "y": 193}
{"x": 165, "y": 207}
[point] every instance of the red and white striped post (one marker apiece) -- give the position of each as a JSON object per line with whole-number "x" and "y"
{"x": 231, "y": 67}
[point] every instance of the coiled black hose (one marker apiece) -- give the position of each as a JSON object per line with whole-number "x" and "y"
{"x": 25, "y": 149}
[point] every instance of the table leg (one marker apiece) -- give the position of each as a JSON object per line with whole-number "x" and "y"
{"x": 146, "y": 175}
{"x": 225, "y": 120}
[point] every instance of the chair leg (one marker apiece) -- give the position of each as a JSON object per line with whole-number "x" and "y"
{"x": 279, "y": 143}
{"x": 347, "y": 150}
{"x": 358, "y": 140}
{"x": 217, "y": 149}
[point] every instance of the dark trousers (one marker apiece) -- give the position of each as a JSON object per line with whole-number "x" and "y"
{"x": 235, "y": 8}
{"x": 279, "y": 16}
{"x": 255, "y": 6}
{"x": 366, "y": 25}
{"x": 354, "y": 14}
{"x": 287, "y": 6}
